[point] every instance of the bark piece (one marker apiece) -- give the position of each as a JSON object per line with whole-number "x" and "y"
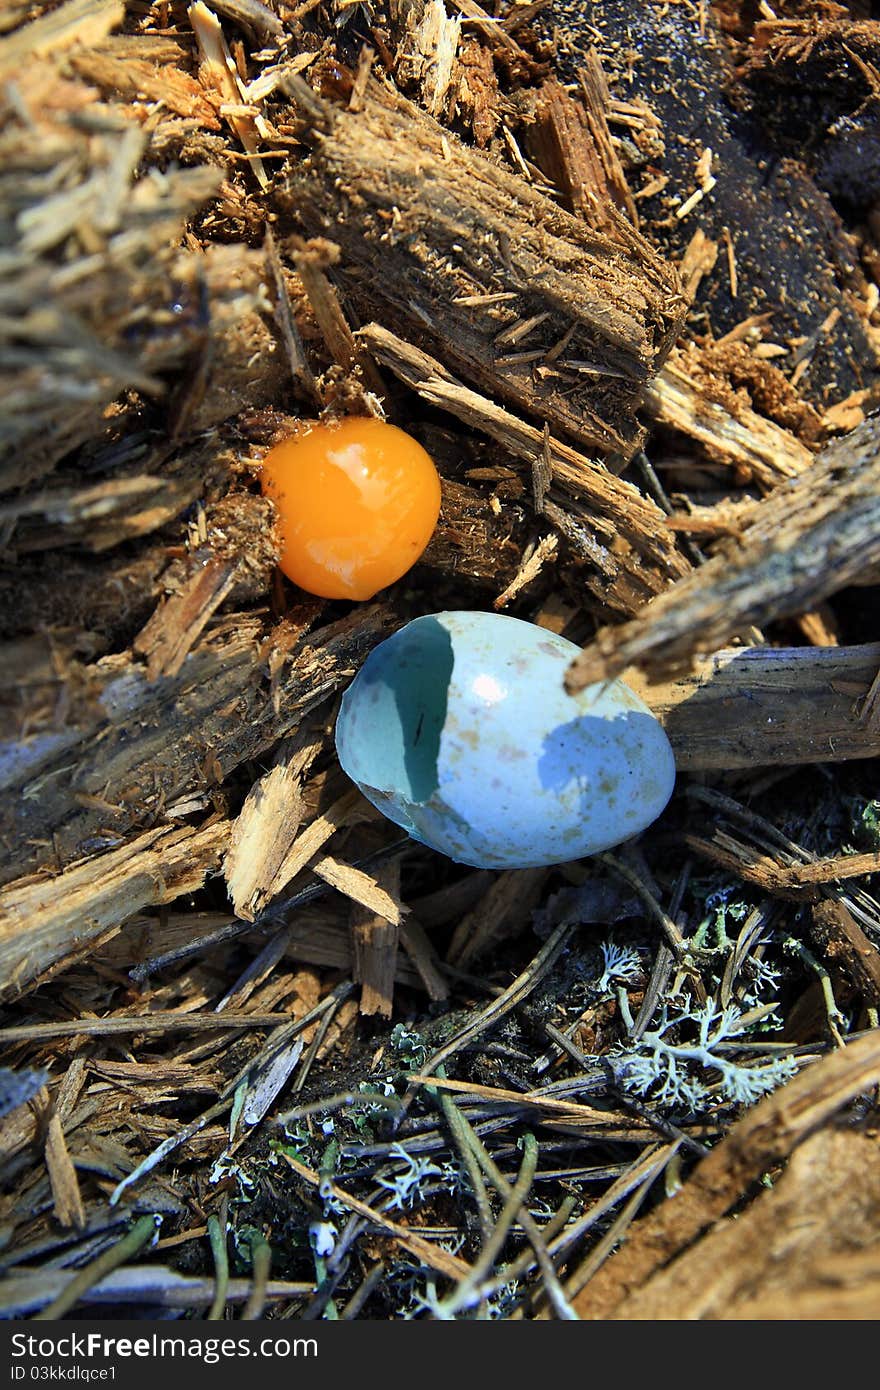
{"x": 839, "y": 936}
{"x": 103, "y": 300}
{"x": 825, "y": 1205}
{"x": 476, "y": 98}
{"x": 428, "y": 52}
{"x": 112, "y": 597}
{"x": 842, "y": 1288}
{"x": 130, "y": 747}
{"x": 425, "y": 223}
{"x": 97, "y": 272}
{"x": 766, "y": 706}
{"x": 808, "y": 539}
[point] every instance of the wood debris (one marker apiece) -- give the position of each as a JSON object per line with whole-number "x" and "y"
{"x": 67, "y": 1198}
{"x": 375, "y": 940}
{"x": 406, "y": 250}
{"x": 768, "y": 1134}
{"x": 45, "y": 922}
{"x": 267, "y": 825}
{"x": 707, "y": 411}
{"x": 109, "y": 748}
{"x": 806, "y": 541}
{"x": 571, "y": 143}
{"x": 761, "y": 706}
{"x": 647, "y": 562}
{"x": 839, "y": 937}
{"x": 428, "y": 55}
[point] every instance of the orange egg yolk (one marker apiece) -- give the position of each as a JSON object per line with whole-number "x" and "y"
{"x": 356, "y": 503}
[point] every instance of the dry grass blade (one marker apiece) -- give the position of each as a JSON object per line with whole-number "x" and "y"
{"x": 150, "y": 1286}
{"x": 138, "y": 1023}
{"x": 547, "y": 1106}
{"x": 130, "y": 1244}
{"x": 512, "y": 996}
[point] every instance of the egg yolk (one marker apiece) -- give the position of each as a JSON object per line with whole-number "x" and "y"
{"x": 357, "y": 502}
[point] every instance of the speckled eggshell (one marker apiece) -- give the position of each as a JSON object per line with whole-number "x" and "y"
{"x": 458, "y": 728}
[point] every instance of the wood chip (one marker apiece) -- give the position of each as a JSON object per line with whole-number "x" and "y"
{"x": 530, "y": 569}
{"x": 66, "y": 1196}
{"x": 374, "y": 941}
{"x": 361, "y": 887}
{"x": 266, "y": 827}
{"x": 76, "y": 22}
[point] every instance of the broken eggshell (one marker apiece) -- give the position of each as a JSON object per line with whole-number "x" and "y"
{"x": 459, "y": 729}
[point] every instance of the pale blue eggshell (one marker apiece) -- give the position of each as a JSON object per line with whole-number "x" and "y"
{"x": 459, "y": 729}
